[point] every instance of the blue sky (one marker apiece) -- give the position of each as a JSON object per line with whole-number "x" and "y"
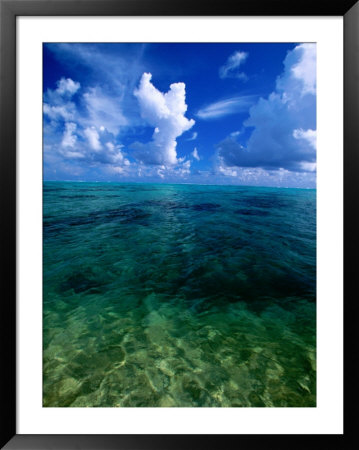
{"x": 181, "y": 113}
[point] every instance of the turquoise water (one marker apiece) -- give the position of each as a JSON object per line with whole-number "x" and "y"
{"x": 178, "y": 295}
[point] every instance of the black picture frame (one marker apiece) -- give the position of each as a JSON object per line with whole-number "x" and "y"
{"x": 9, "y": 10}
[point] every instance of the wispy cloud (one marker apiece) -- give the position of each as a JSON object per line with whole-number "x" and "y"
{"x": 193, "y": 137}
{"x": 120, "y": 72}
{"x": 231, "y": 67}
{"x": 112, "y": 72}
{"x": 104, "y": 111}
{"x": 226, "y": 107}
{"x": 195, "y": 154}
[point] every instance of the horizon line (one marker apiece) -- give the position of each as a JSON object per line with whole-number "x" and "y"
{"x": 177, "y": 184}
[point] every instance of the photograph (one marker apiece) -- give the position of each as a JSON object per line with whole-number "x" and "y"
{"x": 179, "y": 224}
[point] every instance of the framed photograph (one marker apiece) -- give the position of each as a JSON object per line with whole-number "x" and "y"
{"x": 173, "y": 186}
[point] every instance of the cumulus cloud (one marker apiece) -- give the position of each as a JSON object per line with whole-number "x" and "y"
{"x": 166, "y": 113}
{"x": 112, "y": 155}
{"x": 67, "y": 86}
{"x": 284, "y": 124}
{"x": 59, "y": 112}
{"x": 254, "y": 176}
{"x": 108, "y": 157}
{"x": 231, "y": 68}
{"x": 309, "y": 135}
{"x": 83, "y": 138}
{"x": 58, "y": 106}
{"x": 184, "y": 169}
{"x": 304, "y": 69}
{"x": 69, "y": 138}
{"x": 154, "y": 173}
{"x": 93, "y": 138}
{"x": 226, "y": 107}
{"x": 308, "y": 166}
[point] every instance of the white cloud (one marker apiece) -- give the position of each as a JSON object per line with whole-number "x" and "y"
{"x": 309, "y": 135}
{"x": 69, "y": 139}
{"x": 254, "y": 176}
{"x": 226, "y": 107}
{"x": 166, "y": 113}
{"x": 227, "y": 171}
{"x": 193, "y": 137}
{"x": 63, "y": 112}
{"x": 179, "y": 172}
{"x": 195, "y": 154}
{"x": 104, "y": 111}
{"x": 300, "y": 74}
{"x": 57, "y": 105}
{"x": 110, "y": 146}
{"x": 117, "y": 170}
{"x": 70, "y": 134}
{"x": 185, "y": 169}
{"x": 67, "y": 86}
{"x": 160, "y": 173}
{"x": 230, "y": 68}
{"x": 308, "y": 166}
{"x": 305, "y": 69}
{"x": 93, "y": 138}
{"x": 119, "y": 72}
{"x": 113, "y": 155}
{"x": 73, "y": 155}
{"x": 284, "y": 124}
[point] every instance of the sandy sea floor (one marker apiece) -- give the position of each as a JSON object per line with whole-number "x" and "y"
{"x": 178, "y": 295}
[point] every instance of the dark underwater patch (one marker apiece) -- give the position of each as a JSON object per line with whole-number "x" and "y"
{"x": 165, "y": 204}
{"x": 251, "y": 212}
{"x": 122, "y": 215}
{"x": 265, "y": 202}
{"x": 74, "y": 197}
{"x": 206, "y": 207}
{"x": 53, "y": 189}
{"x": 82, "y": 281}
{"x": 130, "y": 215}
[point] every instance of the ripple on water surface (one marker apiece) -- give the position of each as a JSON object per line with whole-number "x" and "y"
{"x": 178, "y": 296}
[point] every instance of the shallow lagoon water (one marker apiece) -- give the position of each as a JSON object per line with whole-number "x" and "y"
{"x": 178, "y": 295}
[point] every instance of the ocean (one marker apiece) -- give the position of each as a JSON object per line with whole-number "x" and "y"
{"x": 158, "y": 295}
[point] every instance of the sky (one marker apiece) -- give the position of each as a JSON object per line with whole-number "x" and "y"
{"x": 240, "y": 113}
